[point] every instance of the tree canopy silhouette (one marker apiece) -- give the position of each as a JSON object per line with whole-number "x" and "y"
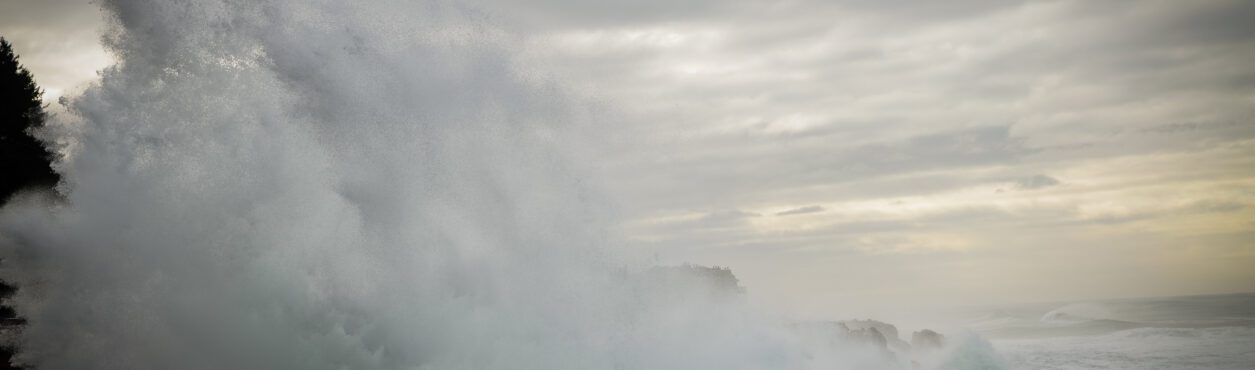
{"x": 24, "y": 162}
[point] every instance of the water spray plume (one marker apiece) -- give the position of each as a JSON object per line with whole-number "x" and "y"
{"x": 343, "y": 185}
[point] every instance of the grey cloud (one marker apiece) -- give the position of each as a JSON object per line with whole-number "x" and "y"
{"x": 1120, "y": 219}
{"x": 909, "y": 99}
{"x": 1207, "y": 206}
{"x": 710, "y": 225}
{"x": 57, "y": 41}
{"x": 1080, "y": 44}
{"x": 801, "y": 211}
{"x": 1213, "y": 206}
{"x": 929, "y": 11}
{"x": 43, "y": 13}
{"x": 863, "y": 236}
{"x": 562, "y": 14}
{"x": 726, "y": 216}
{"x": 1036, "y": 182}
{"x": 758, "y": 169}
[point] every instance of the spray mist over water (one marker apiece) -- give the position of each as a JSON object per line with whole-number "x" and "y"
{"x": 329, "y": 185}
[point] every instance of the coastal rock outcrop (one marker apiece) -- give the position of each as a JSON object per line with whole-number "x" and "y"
{"x": 888, "y": 331}
{"x": 927, "y": 340}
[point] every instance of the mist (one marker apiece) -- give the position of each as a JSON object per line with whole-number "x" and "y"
{"x": 331, "y": 185}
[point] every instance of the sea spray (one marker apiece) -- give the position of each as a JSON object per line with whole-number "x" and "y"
{"x": 343, "y": 185}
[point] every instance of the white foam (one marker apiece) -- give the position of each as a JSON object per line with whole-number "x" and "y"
{"x": 1142, "y": 348}
{"x": 327, "y": 184}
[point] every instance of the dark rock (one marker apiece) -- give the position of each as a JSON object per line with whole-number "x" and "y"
{"x": 692, "y": 282}
{"x": 886, "y": 330}
{"x": 868, "y": 336}
{"x": 927, "y": 340}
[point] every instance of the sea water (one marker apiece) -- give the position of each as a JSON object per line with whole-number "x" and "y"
{"x": 1192, "y": 332}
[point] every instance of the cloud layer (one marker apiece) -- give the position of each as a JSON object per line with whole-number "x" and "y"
{"x": 988, "y": 150}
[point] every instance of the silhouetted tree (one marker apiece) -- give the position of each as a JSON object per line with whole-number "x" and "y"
{"x": 24, "y": 162}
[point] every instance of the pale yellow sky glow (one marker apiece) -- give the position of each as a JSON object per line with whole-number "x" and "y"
{"x": 58, "y": 40}
{"x": 847, "y": 159}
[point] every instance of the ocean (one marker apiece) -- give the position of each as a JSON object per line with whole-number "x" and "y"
{"x": 1192, "y": 332}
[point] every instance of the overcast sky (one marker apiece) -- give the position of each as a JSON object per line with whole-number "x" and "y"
{"x": 851, "y": 157}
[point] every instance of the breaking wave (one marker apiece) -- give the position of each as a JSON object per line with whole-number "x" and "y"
{"x": 328, "y": 185}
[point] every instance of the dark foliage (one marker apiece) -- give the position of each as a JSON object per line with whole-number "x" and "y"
{"x": 24, "y": 162}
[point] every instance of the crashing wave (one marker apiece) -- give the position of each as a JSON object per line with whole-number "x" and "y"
{"x": 296, "y": 184}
